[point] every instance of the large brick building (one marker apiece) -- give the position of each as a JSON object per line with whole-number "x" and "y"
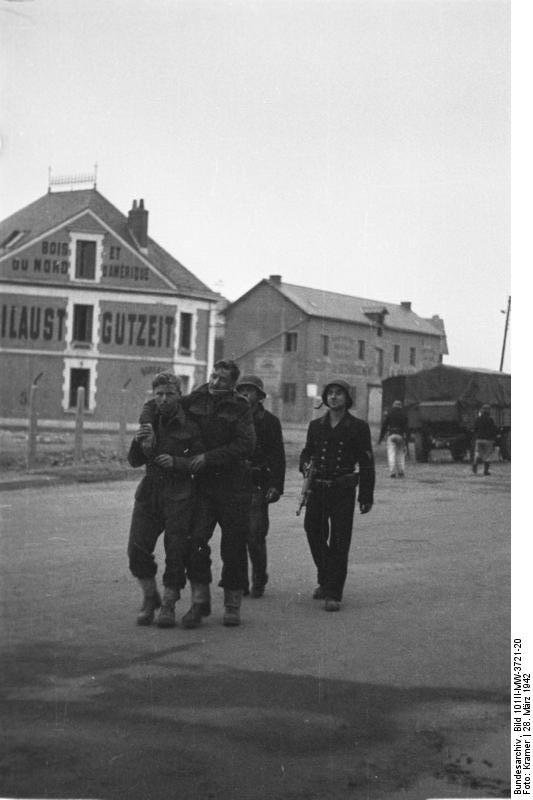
{"x": 89, "y": 299}
{"x": 296, "y": 338}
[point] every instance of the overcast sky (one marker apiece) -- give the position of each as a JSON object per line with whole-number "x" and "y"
{"x": 360, "y": 147}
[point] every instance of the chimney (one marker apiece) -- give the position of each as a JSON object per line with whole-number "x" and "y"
{"x": 406, "y": 305}
{"x": 138, "y": 224}
{"x": 275, "y": 279}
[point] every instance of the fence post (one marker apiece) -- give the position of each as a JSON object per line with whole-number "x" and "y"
{"x": 31, "y": 446}
{"x": 122, "y": 422}
{"x": 78, "y": 432}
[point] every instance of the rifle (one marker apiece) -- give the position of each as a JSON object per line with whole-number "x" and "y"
{"x": 309, "y": 474}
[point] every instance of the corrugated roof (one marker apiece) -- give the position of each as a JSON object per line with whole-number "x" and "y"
{"x": 333, "y": 305}
{"x": 54, "y": 208}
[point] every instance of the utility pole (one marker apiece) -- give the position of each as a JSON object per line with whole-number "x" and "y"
{"x": 507, "y": 315}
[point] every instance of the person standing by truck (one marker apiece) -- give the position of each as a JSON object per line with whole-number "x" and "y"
{"x": 395, "y": 428}
{"x": 336, "y": 443}
{"x": 485, "y": 433}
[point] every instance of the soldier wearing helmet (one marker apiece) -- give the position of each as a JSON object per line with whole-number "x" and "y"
{"x": 268, "y": 477}
{"x": 339, "y": 447}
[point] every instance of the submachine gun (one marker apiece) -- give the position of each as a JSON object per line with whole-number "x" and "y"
{"x": 309, "y": 475}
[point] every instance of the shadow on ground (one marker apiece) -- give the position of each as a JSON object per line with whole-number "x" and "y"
{"x": 155, "y": 727}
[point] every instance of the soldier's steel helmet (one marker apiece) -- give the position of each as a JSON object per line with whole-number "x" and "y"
{"x": 252, "y": 380}
{"x": 344, "y": 386}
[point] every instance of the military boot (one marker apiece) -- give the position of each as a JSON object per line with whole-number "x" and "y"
{"x": 167, "y": 613}
{"x": 151, "y": 601}
{"x": 232, "y": 605}
{"x": 201, "y": 605}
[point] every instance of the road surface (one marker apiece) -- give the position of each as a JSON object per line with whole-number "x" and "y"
{"x": 402, "y": 695}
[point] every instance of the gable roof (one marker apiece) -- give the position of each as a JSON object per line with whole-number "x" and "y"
{"x": 54, "y": 208}
{"x": 345, "y": 308}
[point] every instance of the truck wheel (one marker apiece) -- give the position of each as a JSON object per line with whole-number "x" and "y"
{"x": 421, "y": 449}
{"x": 505, "y": 446}
{"x": 458, "y": 453}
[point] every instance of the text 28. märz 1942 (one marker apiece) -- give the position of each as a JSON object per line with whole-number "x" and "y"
{"x": 521, "y": 713}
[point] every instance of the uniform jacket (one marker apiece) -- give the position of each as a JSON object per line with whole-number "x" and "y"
{"x": 179, "y": 437}
{"x": 268, "y": 458}
{"x": 485, "y": 428}
{"x": 336, "y": 451}
{"x": 395, "y": 422}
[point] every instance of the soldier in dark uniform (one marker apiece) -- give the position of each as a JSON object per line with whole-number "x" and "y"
{"x": 224, "y": 491}
{"x": 268, "y": 478}
{"x": 164, "y": 499}
{"x": 336, "y": 443}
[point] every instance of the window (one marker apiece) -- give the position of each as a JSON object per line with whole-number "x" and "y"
{"x": 288, "y": 392}
{"x": 185, "y": 332}
{"x": 379, "y": 361}
{"x": 379, "y": 331}
{"x": 12, "y": 239}
{"x": 396, "y": 354}
{"x": 85, "y": 259}
{"x": 412, "y": 356}
{"x": 82, "y": 324}
{"x": 79, "y": 377}
{"x": 291, "y": 342}
{"x": 361, "y": 350}
{"x": 325, "y": 344}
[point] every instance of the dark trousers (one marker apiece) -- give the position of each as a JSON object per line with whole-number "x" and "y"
{"x": 161, "y": 510}
{"x": 328, "y": 524}
{"x": 256, "y": 538}
{"x": 228, "y": 506}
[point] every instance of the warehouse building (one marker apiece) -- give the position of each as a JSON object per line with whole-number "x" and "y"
{"x": 89, "y": 299}
{"x": 297, "y": 338}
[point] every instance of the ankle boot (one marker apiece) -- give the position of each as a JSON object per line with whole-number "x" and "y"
{"x": 151, "y": 601}
{"x": 201, "y": 605}
{"x": 167, "y": 613}
{"x": 232, "y": 605}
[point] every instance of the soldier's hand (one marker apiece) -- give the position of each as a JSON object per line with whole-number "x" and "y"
{"x": 365, "y": 507}
{"x": 164, "y": 461}
{"x": 144, "y": 431}
{"x": 197, "y": 463}
{"x": 272, "y": 495}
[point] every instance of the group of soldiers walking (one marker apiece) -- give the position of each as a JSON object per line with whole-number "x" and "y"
{"x": 216, "y": 456}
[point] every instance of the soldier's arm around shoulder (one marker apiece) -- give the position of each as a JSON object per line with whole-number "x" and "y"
{"x": 136, "y": 455}
{"x": 148, "y": 413}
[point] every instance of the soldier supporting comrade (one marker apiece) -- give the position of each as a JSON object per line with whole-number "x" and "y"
{"x": 336, "y": 443}
{"x": 164, "y": 499}
{"x": 268, "y": 479}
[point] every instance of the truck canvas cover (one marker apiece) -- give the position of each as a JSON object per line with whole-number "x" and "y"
{"x": 469, "y": 386}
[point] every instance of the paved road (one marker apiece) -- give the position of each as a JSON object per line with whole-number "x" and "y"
{"x": 403, "y": 694}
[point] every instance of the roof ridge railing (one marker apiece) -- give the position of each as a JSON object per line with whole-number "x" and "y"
{"x": 79, "y": 179}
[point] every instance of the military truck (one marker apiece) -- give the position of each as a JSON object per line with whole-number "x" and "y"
{"x": 442, "y": 404}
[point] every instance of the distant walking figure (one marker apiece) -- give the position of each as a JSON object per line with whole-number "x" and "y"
{"x": 396, "y": 430}
{"x": 485, "y": 433}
